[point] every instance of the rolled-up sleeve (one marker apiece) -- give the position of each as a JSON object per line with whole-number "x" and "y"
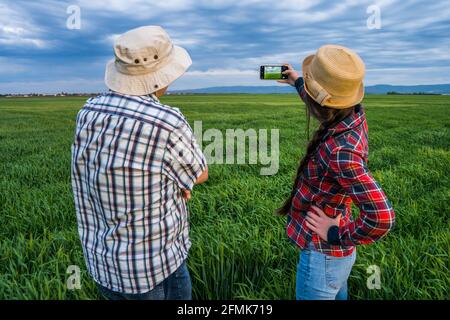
{"x": 376, "y": 216}
{"x": 184, "y": 161}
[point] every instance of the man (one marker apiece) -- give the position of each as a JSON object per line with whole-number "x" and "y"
{"x": 134, "y": 164}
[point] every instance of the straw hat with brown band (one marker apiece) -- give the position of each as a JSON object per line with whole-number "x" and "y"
{"x": 334, "y": 77}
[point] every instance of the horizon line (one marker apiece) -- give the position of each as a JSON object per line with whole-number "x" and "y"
{"x": 211, "y": 87}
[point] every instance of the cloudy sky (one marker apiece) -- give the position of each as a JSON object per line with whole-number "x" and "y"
{"x": 227, "y": 40}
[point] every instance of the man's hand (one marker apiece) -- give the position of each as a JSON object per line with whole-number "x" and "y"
{"x": 319, "y": 222}
{"x": 186, "y": 194}
{"x": 292, "y": 75}
{"x": 202, "y": 178}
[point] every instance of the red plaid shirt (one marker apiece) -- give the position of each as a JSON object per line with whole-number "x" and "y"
{"x": 336, "y": 175}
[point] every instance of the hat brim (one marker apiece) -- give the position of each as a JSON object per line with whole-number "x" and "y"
{"x": 137, "y": 85}
{"x": 336, "y": 102}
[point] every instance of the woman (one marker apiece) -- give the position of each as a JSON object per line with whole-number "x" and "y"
{"x": 331, "y": 175}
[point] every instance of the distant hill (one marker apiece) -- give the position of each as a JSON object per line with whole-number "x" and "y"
{"x": 376, "y": 89}
{"x": 432, "y": 89}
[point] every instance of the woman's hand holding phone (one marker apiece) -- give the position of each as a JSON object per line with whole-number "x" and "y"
{"x": 292, "y": 74}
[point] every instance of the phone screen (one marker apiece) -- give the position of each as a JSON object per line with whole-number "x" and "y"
{"x": 272, "y": 72}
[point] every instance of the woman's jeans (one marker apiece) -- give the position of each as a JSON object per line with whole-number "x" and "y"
{"x": 176, "y": 287}
{"x": 323, "y": 277}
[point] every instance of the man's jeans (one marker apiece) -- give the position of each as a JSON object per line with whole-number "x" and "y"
{"x": 176, "y": 287}
{"x": 323, "y": 277}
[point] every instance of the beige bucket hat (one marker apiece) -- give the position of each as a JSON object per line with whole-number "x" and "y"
{"x": 145, "y": 61}
{"x": 334, "y": 77}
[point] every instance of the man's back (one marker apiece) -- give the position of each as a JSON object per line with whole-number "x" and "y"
{"x": 131, "y": 158}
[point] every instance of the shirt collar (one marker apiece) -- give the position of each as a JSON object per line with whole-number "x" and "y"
{"x": 147, "y": 96}
{"x": 150, "y": 96}
{"x": 350, "y": 122}
{"x": 154, "y": 97}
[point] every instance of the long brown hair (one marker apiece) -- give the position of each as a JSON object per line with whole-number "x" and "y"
{"x": 328, "y": 117}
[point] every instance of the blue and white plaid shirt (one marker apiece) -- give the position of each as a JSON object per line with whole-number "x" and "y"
{"x": 131, "y": 158}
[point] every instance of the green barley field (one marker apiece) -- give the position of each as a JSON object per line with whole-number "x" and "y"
{"x": 239, "y": 250}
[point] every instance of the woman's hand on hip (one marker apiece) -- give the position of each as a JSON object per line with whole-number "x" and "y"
{"x": 319, "y": 222}
{"x": 292, "y": 74}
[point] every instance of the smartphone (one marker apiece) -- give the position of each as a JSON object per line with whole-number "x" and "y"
{"x": 272, "y": 72}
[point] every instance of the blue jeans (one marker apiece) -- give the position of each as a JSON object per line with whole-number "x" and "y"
{"x": 177, "y": 286}
{"x": 323, "y": 277}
